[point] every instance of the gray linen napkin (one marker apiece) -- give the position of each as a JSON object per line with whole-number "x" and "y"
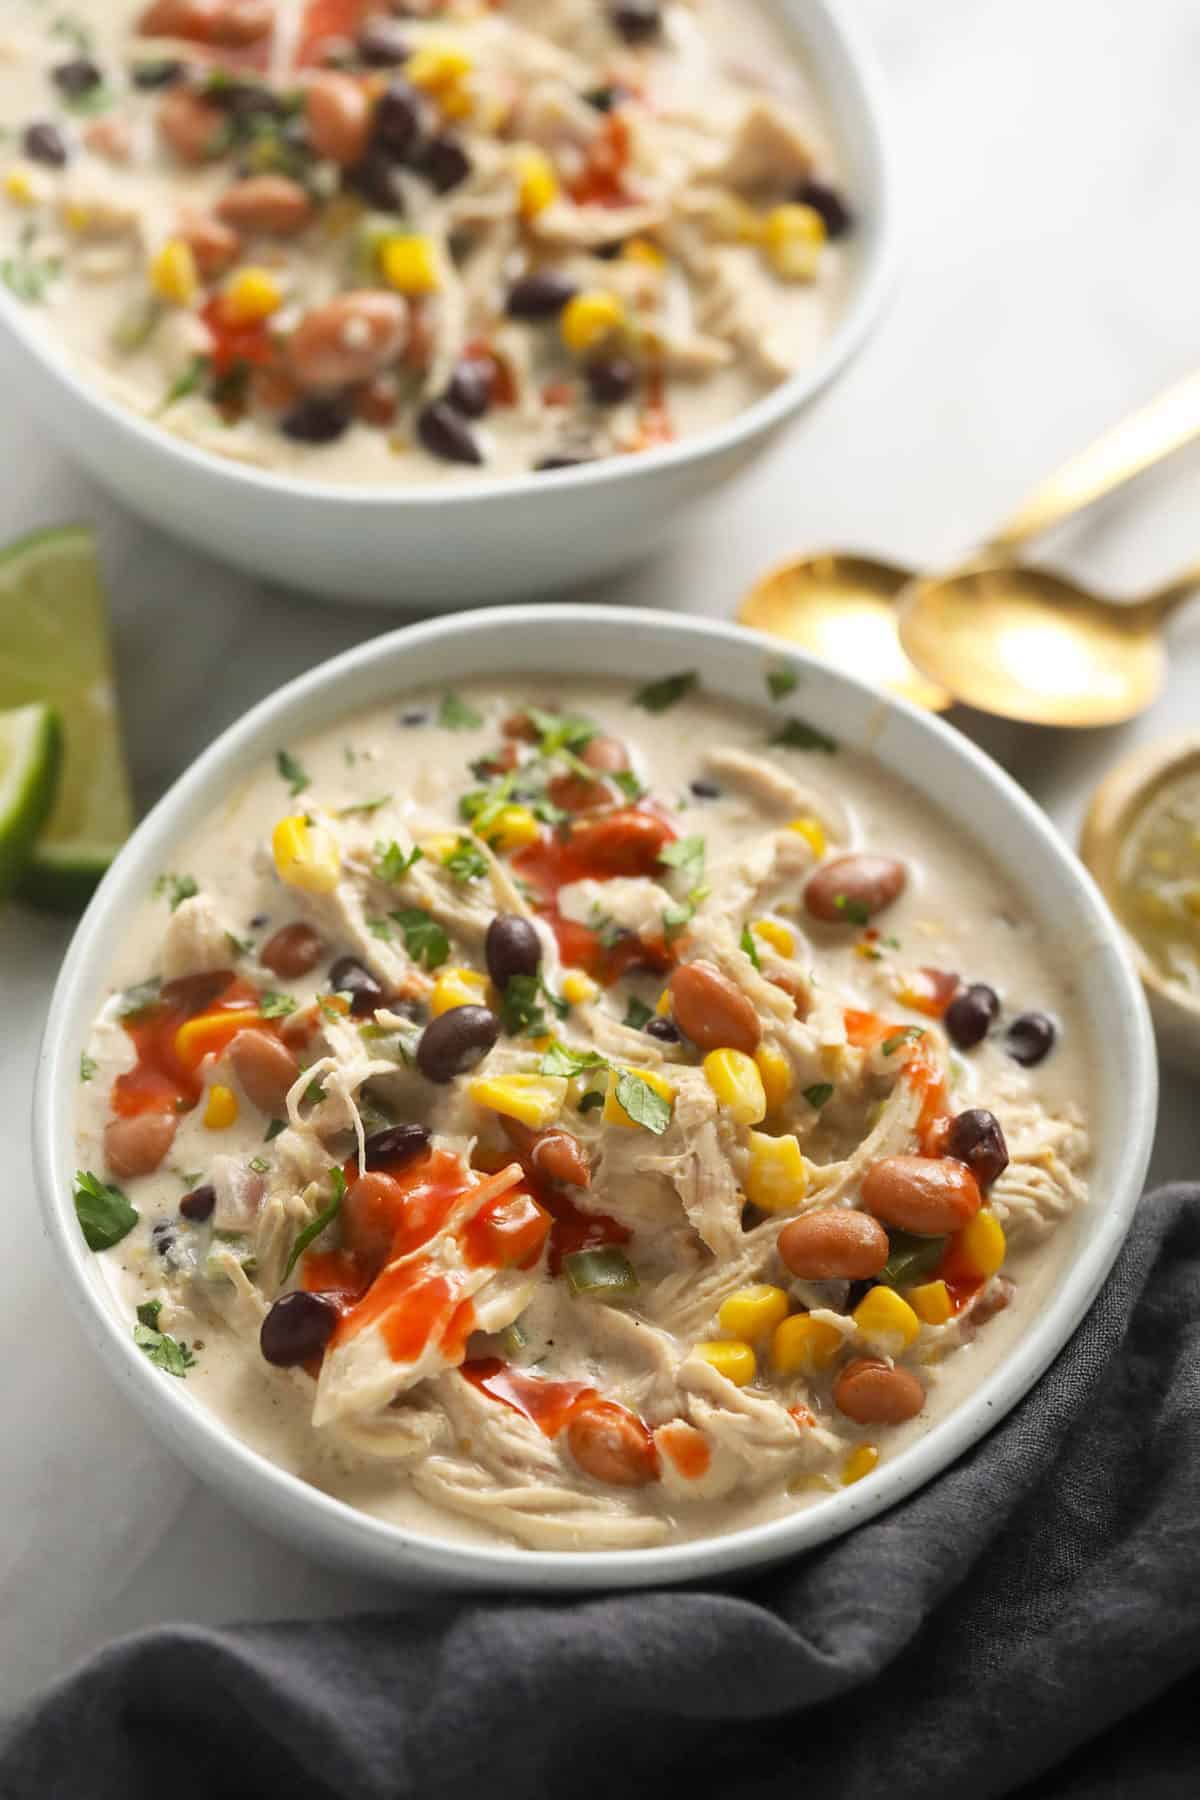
{"x": 1029, "y": 1624}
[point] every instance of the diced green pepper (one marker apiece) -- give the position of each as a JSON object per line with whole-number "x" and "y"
{"x": 912, "y": 1259}
{"x": 605, "y": 1272}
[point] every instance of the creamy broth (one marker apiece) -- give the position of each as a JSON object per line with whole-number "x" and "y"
{"x": 695, "y": 1223}
{"x": 362, "y": 320}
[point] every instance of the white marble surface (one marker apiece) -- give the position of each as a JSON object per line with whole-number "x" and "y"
{"x": 1050, "y": 274}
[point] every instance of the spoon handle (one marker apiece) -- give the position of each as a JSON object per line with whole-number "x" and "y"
{"x": 1124, "y": 451}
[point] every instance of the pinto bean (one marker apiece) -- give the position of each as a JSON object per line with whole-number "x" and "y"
{"x": 110, "y": 138}
{"x": 557, "y": 1155}
{"x": 371, "y": 1209}
{"x": 192, "y": 128}
{"x": 265, "y": 1068}
{"x": 875, "y": 1393}
{"x": 266, "y": 205}
{"x": 834, "y": 1244}
{"x": 137, "y": 1146}
{"x": 929, "y": 1195}
{"x": 608, "y": 754}
{"x": 339, "y": 117}
{"x": 576, "y": 794}
{"x": 214, "y": 246}
{"x": 348, "y": 339}
{"x": 294, "y": 950}
{"x": 714, "y": 1013}
{"x": 611, "y": 1445}
{"x": 231, "y": 24}
{"x": 853, "y": 888}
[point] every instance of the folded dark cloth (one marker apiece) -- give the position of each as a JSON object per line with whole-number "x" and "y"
{"x": 1029, "y": 1624}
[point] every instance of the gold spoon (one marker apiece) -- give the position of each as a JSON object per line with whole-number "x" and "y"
{"x": 992, "y": 632}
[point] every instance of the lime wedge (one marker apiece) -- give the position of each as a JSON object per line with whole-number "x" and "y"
{"x": 54, "y": 648}
{"x": 31, "y": 744}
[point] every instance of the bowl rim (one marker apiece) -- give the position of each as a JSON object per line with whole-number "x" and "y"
{"x": 844, "y": 42}
{"x": 304, "y": 1513}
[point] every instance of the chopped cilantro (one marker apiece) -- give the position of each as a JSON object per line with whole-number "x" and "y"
{"x": 276, "y": 1006}
{"x": 318, "y": 1225}
{"x": 314, "y": 1093}
{"x": 781, "y": 682}
{"x": 164, "y": 1351}
{"x": 455, "y": 715}
{"x": 819, "y": 1093}
{"x": 87, "y": 1066}
{"x": 908, "y": 1035}
{"x": 424, "y": 938}
{"x": 855, "y": 912}
{"x": 186, "y": 382}
{"x": 794, "y": 734}
{"x": 637, "y": 1014}
{"x": 391, "y": 862}
{"x": 521, "y": 1012}
{"x": 560, "y": 1059}
{"x": 644, "y": 1104}
{"x": 290, "y": 771}
{"x": 629, "y": 784}
{"x": 365, "y": 807}
{"x": 561, "y": 731}
{"x": 273, "y": 1130}
{"x": 239, "y": 946}
{"x": 259, "y": 1164}
{"x": 380, "y": 928}
{"x": 104, "y": 1213}
{"x": 176, "y": 889}
{"x": 28, "y": 277}
{"x": 687, "y": 855}
{"x": 749, "y": 946}
{"x": 657, "y": 696}
{"x": 466, "y": 862}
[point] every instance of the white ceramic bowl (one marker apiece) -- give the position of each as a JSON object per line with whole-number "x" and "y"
{"x": 958, "y": 779}
{"x": 493, "y": 539}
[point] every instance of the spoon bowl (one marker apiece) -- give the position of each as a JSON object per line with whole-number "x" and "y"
{"x": 843, "y": 609}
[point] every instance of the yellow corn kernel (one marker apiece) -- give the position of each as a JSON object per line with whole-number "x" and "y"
{"x": 589, "y": 318}
{"x": 802, "y": 1345}
{"x": 537, "y": 182}
{"x": 1191, "y": 901}
{"x": 513, "y": 828}
{"x": 735, "y": 1361}
{"x": 457, "y": 987}
{"x": 437, "y": 65}
{"x": 536, "y": 1100}
{"x": 776, "y": 1072}
{"x": 931, "y": 1302}
{"x": 440, "y": 846}
{"x": 306, "y": 856}
{"x": 253, "y": 294}
{"x": 734, "y": 222}
{"x": 734, "y": 1079}
{"x": 777, "y": 1174}
{"x": 982, "y": 1244}
{"x": 775, "y": 934}
{"x": 641, "y": 250}
{"x": 662, "y": 1006}
{"x": 578, "y": 989}
{"x": 883, "y": 1316}
{"x": 792, "y": 237}
{"x": 813, "y": 833}
{"x": 221, "y": 1110}
{"x": 18, "y": 187}
{"x": 173, "y": 273}
{"x": 860, "y": 1462}
{"x": 751, "y": 1312}
{"x": 409, "y": 264}
{"x": 614, "y": 1112}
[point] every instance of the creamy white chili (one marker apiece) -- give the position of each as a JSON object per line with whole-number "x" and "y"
{"x": 364, "y": 245}
{"x": 589, "y": 1118}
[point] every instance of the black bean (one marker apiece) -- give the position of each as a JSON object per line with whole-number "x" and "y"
{"x": 163, "y": 71}
{"x": 562, "y": 462}
{"x": 317, "y": 419}
{"x": 611, "y": 380}
{"x": 163, "y": 1237}
{"x": 977, "y": 1140}
{"x": 443, "y": 163}
{"x": 604, "y": 98}
{"x": 445, "y": 433}
{"x": 455, "y": 1041}
{"x": 541, "y": 296}
{"x": 349, "y": 976}
{"x": 400, "y": 120}
{"x": 704, "y": 789}
{"x": 45, "y": 143}
{"x": 396, "y": 1145}
{"x": 637, "y": 21}
{"x": 259, "y": 920}
{"x": 970, "y": 1014}
{"x": 414, "y": 718}
{"x": 1030, "y": 1038}
{"x": 377, "y": 180}
{"x": 297, "y": 1328}
{"x": 665, "y": 1030}
{"x": 77, "y": 77}
{"x": 512, "y": 947}
{"x": 469, "y": 389}
{"x": 383, "y": 42}
{"x": 825, "y": 200}
{"x": 199, "y": 1204}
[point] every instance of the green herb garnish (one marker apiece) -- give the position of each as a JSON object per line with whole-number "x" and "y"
{"x": 164, "y": 1351}
{"x": 686, "y": 855}
{"x": 560, "y": 1059}
{"x": 602, "y": 1271}
{"x": 855, "y": 912}
{"x": 318, "y": 1225}
{"x": 637, "y": 1015}
{"x": 391, "y": 862}
{"x": 455, "y": 715}
{"x": 28, "y": 277}
{"x": 657, "y": 696}
{"x": 365, "y": 807}
{"x": 176, "y": 889}
{"x": 781, "y": 682}
{"x": 628, "y": 782}
{"x": 561, "y": 731}
{"x": 521, "y": 1011}
{"x": 187, "y": 382}
{"x": 273, "y": 1130}
{"x": 819, "y": 1094}
{"x": 908, "y": 1035}
{"x": 424, "y": 938}
{"x": 276, "y": 1006}
{"x": 290, "y": 771}
{"x": 794, "y": 734}
{"x": 259, "y": 1164}
{"x": 104, "y": 1213}
{"x": 466, "y": 862}
{"x": 644, "y": 1104}
{"x": 749, "y": 946}
{"x": 910, "y": 1259}
{"x": 87, "y": 1066}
